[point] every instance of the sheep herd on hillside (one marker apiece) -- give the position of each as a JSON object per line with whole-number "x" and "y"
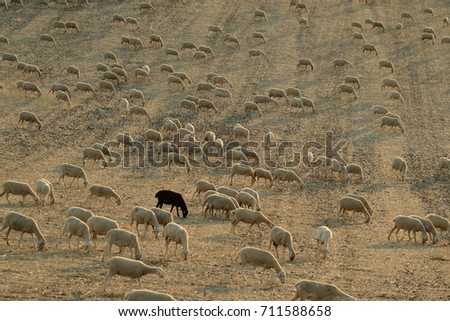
{"x": 177, "y": 144}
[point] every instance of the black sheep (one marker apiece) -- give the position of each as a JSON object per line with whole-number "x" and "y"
{"x": 172, "y": 198}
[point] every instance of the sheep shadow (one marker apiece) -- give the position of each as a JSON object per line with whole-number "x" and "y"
{"x": 404, "y": 245}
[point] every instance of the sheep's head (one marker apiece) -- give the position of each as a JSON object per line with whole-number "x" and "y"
{"x": 185, "y": 254}
{"x": 424, "y": 238}
{"x": 159, "y": 272}
{"x": 185, "y": 213}
{"x": 435, "y": 239}
{"x": 119, "y": 200}
{"x": 292, "y": 256}
{"x": 41, "y": 245}
{"x": 137, "y": 255}
{"x": 88, "y": 247}
{"x": 282, "y": 276}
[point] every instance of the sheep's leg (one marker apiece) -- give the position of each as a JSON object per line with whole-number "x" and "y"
{"x": 175, "y": 252}
{"x": 94, "y": 238}
{"x": 139, "y": 282}
{"x": 70, "y": 236}
{"x": 167, "y": 247}
{"x": 78, "y": 244}
{"x": 233, "y": 226}
{"x": 7, "y": 198}
{"x": 415, "y": 241}
{"x": 72, "y": 181}
{"x": 276, "y": 250}
{"x": 388, "y": 236}
{"x": 20, "y": 239}
{"x": 7, "y": 235}
{"x": 107, "y": 278}
{"x": 106, "y": 251}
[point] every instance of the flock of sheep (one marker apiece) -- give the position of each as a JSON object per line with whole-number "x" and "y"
{"x": 173, "y": 138}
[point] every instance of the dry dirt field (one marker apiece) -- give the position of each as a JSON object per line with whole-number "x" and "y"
{"x": 362, "y": 261}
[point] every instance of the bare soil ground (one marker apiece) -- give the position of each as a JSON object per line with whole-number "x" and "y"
{"x": 362, "y": 261}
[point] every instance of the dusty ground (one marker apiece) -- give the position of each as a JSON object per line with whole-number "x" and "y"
{"x": 362, "y": 262}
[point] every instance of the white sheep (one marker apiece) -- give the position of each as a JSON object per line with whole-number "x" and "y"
{"x": 246, "y": 200}
{"x": 223, "y": 93}
{"x": 72, "y": 171}
{"x": 205, "y": 103}
{"x": 240, "y": 131}
{"x": 136, "y": 94}
{"x": 429, "y": 227}
{"x": 399, "y": 164}
{"x": 446, "y": 21}
{"x": 5, "y": 40}
{"x": 363, "y": 200}
{"x": 21, "y": 223}
{"x": 153, "y": 135}
{"x": 259, "y": 36}
{"x": 250, "y": 217}
{"x": 83, "y": 86}
{"x": 183, "y": 76}
{"x": 72, "y": 25}
{"x": 439, "y": 222}
{"x": 62, "y": 87}
{"x": 206, "y": 50}
{"x": 303, "y": 21}
{"x": 231, "y": 40}
{"x": 280, "y": 236}
{"x": 293, "y": 92}
{"x": 32, "y": 68}
{"x": 73, "y": 70}
{"x": 265, "y": 259}
{"x": 445, "y": 40}
{"x": 395, "y": 95}
{"x": 139, "y": 72}
{"x": 175, "y": 233}
{"x": 199, "y": 55}
{"x": 250, "y": 106}
{"x": 221, "y": 202}
{"x": 378, "y": 25}
{"x": 147, "y": 295}
{"x": 189, "y": 105}
{"x": 407, "y": 15}
{"x": 278, "y": 93}
{"x": 103, "y": 191}
{"x": 259, "y": 14}
{"x": 392, "y": 83}
{"x": 31, "y": 87}
{"x": 29, "y": 117}
{"x": 342, "y": 63}
{"x": 119, "y": 72}
{"x": 398, "y": 27}
{"x": 317, "y": 291}
{"x": 369, "y": 48}
{"x": 349, "y": 89}
{"x": 262, "y": 99}
{"x": 75, "y": 226}
{"x": 61, "y": 95}
{"x": 179, "y": 159}
{"x": 131, "y": 268}
{"x": 18, "y": 188}
{"x": 132, "y": 21}
{"x": 188, "y": 45}
{"x": 444, "y": 164}
{"x": 357, "y": 24}
{"x": 428, "y": 10}
{"x": 254, "y": 194}
{"x": 107, "y": 85}
{"x": 122, "y": 238}
{"x": 353, "y": 81}
{"x": 146, "y": 6}
{"x": 409, "y": 224}
{"x": 323, "y": 237}
{"x": 309, "y": 103}
{"x": 79, "y": 212}
{"x": 44, "y": 189}
{"x": 240, "y": 169}
{"x": 227, "y": 191}
{"x": 305, "y": 62}
{"x": 392, "y": 122}
{"x": 47, "y": 37}
{"x": 163, "y": 217}
{"x": 348, "y": 203}
{"x": 262, "y": 173}
{"x": 286, "y": 175}
{"x": 10, "y": 57}
{"x": 257, "y": 53}
{"x": 355, "y": 169}
{"x": 125, "y": 139}
{"x": 379, "y": 109}
{"x": 215, "y": 29}
{"x": 176, "y": 80}
{"x": 108, "y": 55}
{"x": 386, "y": 64}
{"x": 201, "y": 186}
{"x": 429, "y": 36}
{"x": 141, "y": 215}
{"x": 99, "y": 225}
{"x": 101, "y": 67}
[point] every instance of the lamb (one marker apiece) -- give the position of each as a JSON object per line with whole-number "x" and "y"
{"x": 355, "y": 169}
{"x": 240, "y": 169}
{"x": 179, "y": 159}
{"x": 108, "y": 55}
{"x": 83, "y": 86}
{"x": 156, "y": 38}
{"x": 240, "y": 131}
{"x": 227, "y": 191}
{"x": 62, "y": 87}
{"x": 99, "y": 225}
{"x": 132, "y": 21}
{"x": 348, "y": 203}
{"x": 122, "y": 238}
{"x": 250, "y": 217}
{"x": 162, "y": 216}
{"x": 352, "y": 80}
{"x": 218, "y": 201}
{"x": 147, "y": 295}
{"x": 260, "y": 14}
{"x": 392, "y": 122}
{"x": 103, "y": 191}
{"x": 220, "y": 80}
{"x": 215, "y": 29}
{"x": 394, "y": 95}
{"x": 47, "y": 37}
{"x": 429, "y": 227}
{"x": 280, "y": 236}
{"x": 201, "y": 186}
{"x": 21, "y": 223}
{"x": 131, "y": 268}
{"x": 379, "y": 109}
{"x": 409, "y": 224}
{"x": 141, "y": 215}
{"x": 259, "y": 35}
{"x": 188, "y": 45}
{"x": 386, "y": 64}
{"x": 182, "y": 76}
{"x": 342, "y": 63}
{"x": 31, "y": 87}
{"x": 205, "y": 103}
{"x": 257, "y": 53}
{"x": 61, "y": 95}
{"x": 317, "y": 291}
{"x": 172, "y": 198}
{"x": 250, "y": 106}
{"x": 166, "y": 67}
{"x": 79, "y": 213}
{"x": 393, "y": 83}
{"x": 399, "y": 164}
{"x": 29, "y": 117}
{"x": 262, "y": 173}
{"x": 345, "y": 88}
{"x": 306, "y": 63}
{"x": 44, "y": 189}
{"x": 32, "y": 68}
{"x": 262, "y": 99}
{"x": 176, "y": 80}
{"x": 136, "y": 94}
{"x": 444, "y": 163}
{"x": 287, "y": 175}
{"x": 10, "y": 57}
{"x": 95, "y": 155}
{"x": 175, "y": 233}
{"x": 75, "y": 226}
{"x": 72, "y": 25}
{"x": 439, "y": 222}
{"x": 428, "y": 36}
{"x": 258, "y": 257}
{"x": 72, "y": 171}
{"x": 246, "y": 200}
{"x": 357, "y": 24}
{"x": 324, "y": 236}
{"x": 18, "y": 188}
{"x": 106, "y": 85}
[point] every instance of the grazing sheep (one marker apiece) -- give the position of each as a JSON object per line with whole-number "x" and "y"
{"x": 306, "y": 63}
{"x": 79, "y": 213}
{"x": 258, "y": 257}
{"x": 99, "y": 225}
{"x": 175, "y": 233}
{"x": 429, "y": 227}
{"x": 303, "y": 21}
{"x": 125, "y": 139}
{"x": 75, "y": 226}
{"x": 132, "y": 21}
{"x": 10, "y": 57}
{"x": 358, "y": 36}
{"x": 156, "y": 38}
{"x": 278, "y": 93}
{"x": 409, "y": 224}
{"x": 215, "y": 29}
{"x": 254, "y": 194}
{"x": 176, "y": 80}
{"x": 83, "y": 86}
{"x": 122, "y": 238}
{"x": 110, "y": 76}
{"x": 201, "y": 186}
{"x": 172, "y": 52}
{"x": 407, "y": 15}
{"x": 48, "y": 38}
{"x": 183, "y": 76}
{"x": 261, "y": 99}
{"x": 250, "y": 106}
{"x": 31, "y": 87}
{"x": 106, "y": 85}
{"x": 153, "y": 135}
{"x": 445, "y": 40}
{"x": 205, "y": 103}
{"x": 332, "y": 165}
{"x": 231, "y": 39}
{"x": 446, "y": 21}
{"x": 250, "y": 217}
{"x": 227, "y": 191}
{"x": 131, "y": 268}
{"x": 280, "y": 236}
{"x": 61, "y": 95}
{"x": 259, "y": 36}
{"x": 136, "y": 94}
{"x": 301, "y": 7}
{"x": 392, "y": 122}
{"x": 119, "y": 18}
{"x": 103, "y": 191}
{"x": 342, "y": 63}
{"x": 21, "y": 223}
{"x": 220, "y": 80}
{"x": 219, "y": 201}
{"x": 108, "y": 55}
{"x": 163, "y": 217}
{"x": 246, "y": 200}
{"x": 119, "y": 72}
{"x": 179, "y": 159}
{"x": 399, "y": 27}
{"x": 240, "y": 169}
{"x": 59, "y": 25}
{"x": 257, "y": 53}
{"x": 72, "y": 25}
{"x": 44, "y": 189}
{"x": 386, "y": 64}
{"x": 428, "y": 36}
{"x": 399, "y": 164}
{"x": 145, "y": 6}
{"x": 368, "y": 21}
{"x": 309, "y": 103}
{"x": 29, "y": 117}
{"x": 353, "y": 81}
{"x": 348, "y": 203}
{"x": 138, "y": 110}
{"x": 188, "y": 45}
{"x": 392, "y": 83}
{"x": 204, "y": 86}
{"x": 428, "y": 10}
{"x": 32, "y": 68}
{"x": 72, "y": 171}
{"x": 240, "y": 131}
{"x": 395, "y": 95}
{"x": 18, "y": 188}
{"x": 147, "y": 295}
{"x": 439, "y": 222}
{"x": 62, "y": 87}
{"x": 444, "y": 163}
{"x": 317, "y": 291}
{"x": 188, "y": 104}
{"x": 363, "y": 200}
{"x": 262, "y": 173}
{"x": 139, "y": 72}
{"x": 378, "y": 25}
{"x": 259, "y": 14}
{"x": 345, "y": 88}
{"x": 199, "y": 55}
{"x": 166, "y": 67}
{"x": 293, "y": 92}
{"x": 286, "y": 175}
{"x": 95, "y": 155}
{"x": 172, "y": 198}
{"x": 105, "y": 150}
{"x": 209, "y": 136}
{"x": 357, "y": 24}
{"x": 323, "y": 237}
{"x": 355, "y": 169}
